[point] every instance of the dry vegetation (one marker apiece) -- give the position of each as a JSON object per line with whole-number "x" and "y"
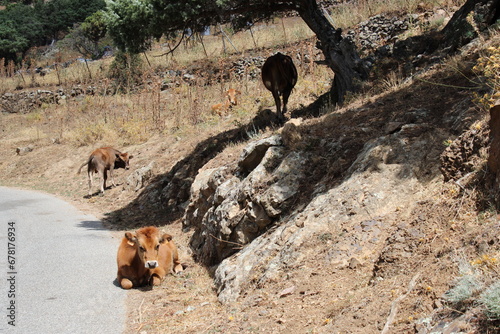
{"x": 165, "y": 126}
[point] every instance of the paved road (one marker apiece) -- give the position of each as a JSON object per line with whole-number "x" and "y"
{"x": 62, "y": 279}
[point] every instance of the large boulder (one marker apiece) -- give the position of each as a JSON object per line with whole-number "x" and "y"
{"x": 230, "y": 208}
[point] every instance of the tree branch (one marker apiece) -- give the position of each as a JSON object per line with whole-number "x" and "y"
{"x": 175, "y": 47}
{"x": 394, "y": 306}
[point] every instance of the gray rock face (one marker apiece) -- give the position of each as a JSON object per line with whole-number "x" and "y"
{"x": 230, "y": 209}
{"x": 244, "y": 223}
{"x": 253, "y": 154}
{"x": 137, "y": 180}
{"x": 355, "y": 226}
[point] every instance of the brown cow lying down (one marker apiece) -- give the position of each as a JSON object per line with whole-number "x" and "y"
{"x": 232, "y": 100}
{"x": 102, "y": 160}
{"x": 146, "y": 257}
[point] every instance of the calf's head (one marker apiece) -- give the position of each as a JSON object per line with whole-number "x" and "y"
{"x": 147, "y": 241}
{"x": 122, "y": 160}
{"x": 232, "y": 96}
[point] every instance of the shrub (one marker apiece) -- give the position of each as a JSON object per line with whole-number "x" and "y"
{"x": 488, "y": 66}
{"x": 126, "y": 70}
{"x": 490, "y": 300}
{"x": 465, "y": 288}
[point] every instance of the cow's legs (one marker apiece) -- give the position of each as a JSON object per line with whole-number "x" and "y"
{"x": 90, "y": 182}
{"x": 286, "y": 95}
{"x": 112, "y": 177}
{"x": 157, "y": 276}
{"x": 126, "y": 283}
{"x": 277, "y": 101}
{"x": 104, "y": 178}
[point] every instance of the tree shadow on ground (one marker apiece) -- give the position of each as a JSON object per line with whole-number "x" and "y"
{"x": 421, "y": 109}
{"x": 163, "y": 201}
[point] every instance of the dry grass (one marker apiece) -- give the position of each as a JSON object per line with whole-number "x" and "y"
{"x": 132, "y": 118}
{"x": 349, "y": 14}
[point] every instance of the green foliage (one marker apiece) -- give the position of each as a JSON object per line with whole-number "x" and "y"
{"x": 94, "y": 26}
{"x": 132, "y": 23}
{"x": 19, "y": 28}
{"x": 128, "y": 23}
{"x": 490, "y": 299}
{"x": 59, "y": 15}
{"x": 23, "y": 25}
{"x": 126, "y": 70}
{"x": 88, "y": 37}
{"x": 464, "y": 289}
{"x": 11, "y": 42}
{"x": 478, "y": 285}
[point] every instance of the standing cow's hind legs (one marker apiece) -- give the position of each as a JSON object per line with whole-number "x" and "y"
{"x": 277, "y": 101}
{"x": 286, "y": 95}
{"x": 90, "y": 183}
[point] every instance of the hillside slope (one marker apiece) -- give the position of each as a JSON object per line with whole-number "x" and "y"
{"x": 368, "y": 235}
{"x": 358, "y": 229}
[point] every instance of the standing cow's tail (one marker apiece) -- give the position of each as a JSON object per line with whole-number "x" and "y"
{"x": 85, "y": 163}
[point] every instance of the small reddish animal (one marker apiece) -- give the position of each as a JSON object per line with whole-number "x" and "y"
{"x": 232, "y": 100}
{"x": 279, "y": 76}
{"x": 102, "y": 160}
{"x": 146, "y": 257}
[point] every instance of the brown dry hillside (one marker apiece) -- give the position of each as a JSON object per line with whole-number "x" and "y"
{"x": 392, "y": 227}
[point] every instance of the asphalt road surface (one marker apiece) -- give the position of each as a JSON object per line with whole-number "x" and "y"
{"x": 57, "y": 268}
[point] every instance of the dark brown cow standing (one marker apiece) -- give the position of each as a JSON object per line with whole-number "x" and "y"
{"x": 102, "y": 160}
{"x": 279, "y": 76}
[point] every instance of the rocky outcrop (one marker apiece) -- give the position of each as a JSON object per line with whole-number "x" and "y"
{"x": 463, "y": 156}
{"x": 355, "y": 224}
{"x": 138, "y": 179}
{"x": 381, "y": 30}
{"x": 246, "y": 218}
{"x": 229, "y": 209}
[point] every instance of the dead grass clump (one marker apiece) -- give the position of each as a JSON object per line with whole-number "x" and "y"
{"x": 90, "y": 134}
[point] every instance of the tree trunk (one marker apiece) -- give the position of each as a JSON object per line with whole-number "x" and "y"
{"x": 340, "y": 53}
{"x": 463, "y": 28}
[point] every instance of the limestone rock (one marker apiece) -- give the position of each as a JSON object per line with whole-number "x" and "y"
{"x": 137, "y": 180}
{"x": 253, "y": 154}
{"x": 228, "y": 211}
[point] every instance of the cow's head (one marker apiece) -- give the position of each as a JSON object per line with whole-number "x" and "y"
{"x": 122, "y": 160}
{"x": 147, "y": 241}
{"x": 232, "y": 96}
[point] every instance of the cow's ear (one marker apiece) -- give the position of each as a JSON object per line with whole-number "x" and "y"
{"x": 165, "y": 238}
{"x": 238, "y": 92}
{"x": 118, "y": 157}
{"x": 125, "y": 156}
{"x": 131, "y": 239}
